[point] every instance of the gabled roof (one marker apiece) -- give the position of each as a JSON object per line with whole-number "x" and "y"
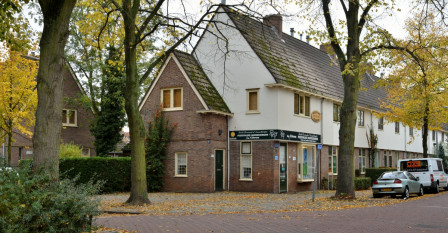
{"x": 200, "y": 80}
{"x": 297, "y": 64}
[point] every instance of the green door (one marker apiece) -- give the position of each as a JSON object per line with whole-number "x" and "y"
{"x": 219, "y": 170}
{"x": 283, "y": 169}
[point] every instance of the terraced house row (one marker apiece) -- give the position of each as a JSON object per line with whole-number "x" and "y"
{"x": 252, "y": 106}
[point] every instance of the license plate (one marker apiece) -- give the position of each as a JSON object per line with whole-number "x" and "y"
{"x": 386, "y": 190}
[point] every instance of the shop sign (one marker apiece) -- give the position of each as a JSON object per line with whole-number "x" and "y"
{"x": 274, "y": 134}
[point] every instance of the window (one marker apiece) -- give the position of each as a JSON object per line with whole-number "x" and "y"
{"x": 85, "y": 152}
{"x": 433, "y": 135}
{"x": 360, "y": 118}
{"x": 246, "y": 161}
{"x": 252, "y": 101}
{"x": 301, "y": 105}
{"x": 181, "y": 164}
{"x": 336, "y": 112}
{"x": 377, "y": 159}
{"x": 333, "y": 160}
{"x": 385, "y": 158}
{"x": 397, "y": 156}
{"x": 397, "y": 127}
{"x": 380, "y": 123}
{"x": 69, "y": 117}
{"x": 362, "y": 161}
{"x": 411, "y": 131}
{"x": 305, "y": 163}
{"x": 390, "y": 159}
{"x": 172, "y": 99}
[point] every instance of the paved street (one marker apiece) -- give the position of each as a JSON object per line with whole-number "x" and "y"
{"x": 423, "y": 215}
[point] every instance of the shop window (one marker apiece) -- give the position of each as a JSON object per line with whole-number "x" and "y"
{"x": 306, "y": 163}
{"x": 333, "y": 160}
{"x": 301, "y": 105}
{"x": 252, "y": 101}
{"x": 336, "y": 112}
{"x": 172, "y": 99}
{"x": 69, "y": 117}
{"x": 181, "y": 164}
{"x": 362, "y": 161}
{"x": 246, "y": 161}
{"x": 360, "y": 118}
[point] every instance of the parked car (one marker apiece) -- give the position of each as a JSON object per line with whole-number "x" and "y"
{"x": 430, "y": 171}
{"x": 397, "y": 183}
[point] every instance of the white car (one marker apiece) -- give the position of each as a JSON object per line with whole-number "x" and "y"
{"x": 430, "y": 172}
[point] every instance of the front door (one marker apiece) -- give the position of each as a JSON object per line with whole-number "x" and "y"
{"x": 283, "y": 169}
{"x": 219, "y": 170}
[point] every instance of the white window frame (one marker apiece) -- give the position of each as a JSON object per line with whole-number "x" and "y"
{"x": 362, "y": 160}
{"x": 301, "y": 100}
{"x": 257, "y": 110}
{"x": 172, "y": 108}
{"x": 360, "y": 118}
{"x": 381, "y": 123}
{"x": 334, "y": 154}
{"x": 67, "y": 119}
{"x": 249, "y": 155}
{"x": 300, "y": 162}
{"x": 338, "y": 109}
{"x": 176, "y": 169}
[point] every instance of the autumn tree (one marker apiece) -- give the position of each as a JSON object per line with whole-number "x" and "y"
{"x": 18, "y": 97}
{"x": 15, "y": 30}
{"x": 354, "y": 37}
{"x": 47, "y": 131}
{"x": 417, "y": 86}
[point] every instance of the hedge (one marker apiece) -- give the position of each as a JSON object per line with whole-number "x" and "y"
{"x": 115, "y": 172}
{"x": 374, "y": 173}
{"x": 361, "y": 183}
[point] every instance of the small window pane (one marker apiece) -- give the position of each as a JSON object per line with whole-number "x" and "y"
{"x": 177, "y": 98}
{"x": 246, "y": 167}
{"x": 64, "y": 116}
{"x": 302, "y": 105}
{"x": 181, "y": 164}
{"x": 166, "y": 99}
{"x": 245, "y": 148}
{"x": 307, "y": 106}
{"x": 253, "y": 99}
{"x": 72, "y": 117}
{"x": 296, "y": 104}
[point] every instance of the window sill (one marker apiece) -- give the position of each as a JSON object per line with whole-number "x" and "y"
{"x": 71, "y": 126}
{"x": 305, "y": 180}
{"x": 333, "y": 174}
{"x": 172, "y": 109}
{"x": 304, "y": 116}
{"x": 361, "y": 126}
{"x": 180, "y": 176}
{"x": 246, "y": 179}
{"x": 252, "y": 112}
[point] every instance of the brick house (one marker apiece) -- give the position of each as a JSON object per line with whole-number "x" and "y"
{"x": 75, "y": 122}
{"x": 282, "y": 100}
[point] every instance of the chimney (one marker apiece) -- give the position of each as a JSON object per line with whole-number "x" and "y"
{"x": 291, "y": 30}
{"x": 308, "y": 39}
{"x": 276, "y": 21}
{"x": 300, "y": 36}
{"x": 223, "y": 2}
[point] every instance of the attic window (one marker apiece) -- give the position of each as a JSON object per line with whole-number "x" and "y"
{"x": 69, "y": 117}
{"x": 171, "y": 99}
{"x": 252, "y": 101}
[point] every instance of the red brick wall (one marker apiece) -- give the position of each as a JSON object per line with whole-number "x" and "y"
{"x": 197, "y": 134}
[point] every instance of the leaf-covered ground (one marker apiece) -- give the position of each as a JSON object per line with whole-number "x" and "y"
{"x": 238, "y": 202}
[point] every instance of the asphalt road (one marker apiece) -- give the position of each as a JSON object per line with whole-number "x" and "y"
{"x": 424, "y": 215}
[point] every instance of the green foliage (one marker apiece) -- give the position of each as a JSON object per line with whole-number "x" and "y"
{"x": 70, "y": 150}
{"x": 114, "y": 172}
{"x": 159, "y": 134}
{"x": 33, "y": 202}
{"x": 361, "y": 183}
{"x": 441, "y": 154}
{"x": 110, "y": 119}
{"x": 374, "y": 173}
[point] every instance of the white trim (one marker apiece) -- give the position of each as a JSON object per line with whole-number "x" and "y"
{"x": 171, "y": 90}
{"x": 175, "y": 165}
{"x": 241, "y": 178}
{"x": 248, "y": 91}
{"x": 68, "y": 118}
{"x": 215, "y": 112}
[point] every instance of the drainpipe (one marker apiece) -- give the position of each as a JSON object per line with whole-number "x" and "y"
{"x": 228, "y": 155}
{"x": 321, "y": 138}
{"x": 405, "y": 146}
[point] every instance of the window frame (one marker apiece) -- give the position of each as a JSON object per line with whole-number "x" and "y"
{"x": 67, "y": 122}
{"x": 176, "y": 164}
{"x": 333, "y": 157}
{"x": 433, "y": 135}
{"x": 302, "y": 100}
{"x": 381, "y": 123}
{"x": 411, "y": 131}
{"x": 248, "y": 110}
{"x": 85, "y": 154}
{"x": 246, "y": 155}
{"x": 362, "y": 160}
{"x": 337, "y": 108}
{"x": 397, "y": 127}
{"x": 300, "y": 162}
{"x": 360, "y": 119}
{"x": 172, "y": 107}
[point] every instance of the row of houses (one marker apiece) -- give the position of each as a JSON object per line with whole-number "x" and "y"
{"x": 258, "y": 110}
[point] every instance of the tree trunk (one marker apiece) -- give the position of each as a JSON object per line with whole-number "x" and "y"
{"x": 47, "y": 131}
{"x": 425, "y": 130}
{"x": 139, "y": 191}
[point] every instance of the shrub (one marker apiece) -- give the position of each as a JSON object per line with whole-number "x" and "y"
{"x": 33, "y": 202}
{"x": 374, "y": 173}
{"x": 361, "y": 183}
{"x": 70, "y": 150}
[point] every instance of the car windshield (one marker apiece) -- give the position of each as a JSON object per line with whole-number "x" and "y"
{"x": 392, "y": 175}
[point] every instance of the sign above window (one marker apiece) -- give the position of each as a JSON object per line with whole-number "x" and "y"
{"x": 274, "y": 134}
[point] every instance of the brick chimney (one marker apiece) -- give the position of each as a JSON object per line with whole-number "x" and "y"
{"x": 276, "y": 21}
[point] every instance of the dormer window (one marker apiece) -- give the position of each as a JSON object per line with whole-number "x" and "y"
{"x": 171, "y": 99}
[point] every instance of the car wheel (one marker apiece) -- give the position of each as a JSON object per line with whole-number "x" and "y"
{"x": 376, "y": 195}
{"x": 406, "y": 193}
{"x": 421, "y": 191}
{"x": 436, "y": 189}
